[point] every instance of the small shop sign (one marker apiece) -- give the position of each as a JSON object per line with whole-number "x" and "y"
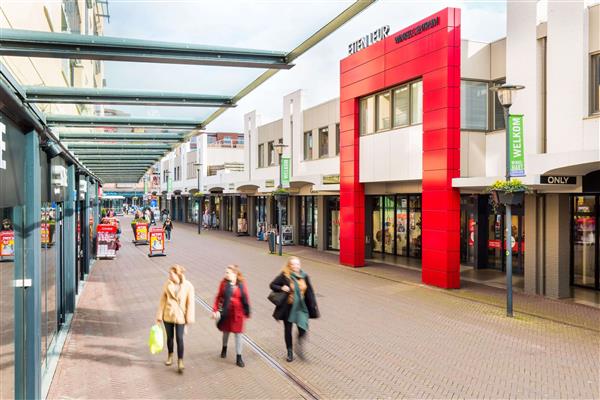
{"x": 157, "y": 242}
{"x": 106, "y": 240}
{"x": 558, "y": 180}
{"x": 331, "y": 179}
{"x": 270, "y": 183}
{"x": 517, "y": 151}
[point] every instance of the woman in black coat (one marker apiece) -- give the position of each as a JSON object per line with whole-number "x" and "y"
{"x": 297, "y": 306}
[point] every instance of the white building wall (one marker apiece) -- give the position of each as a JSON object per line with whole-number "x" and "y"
{"x": 565, "y": 73}
{"x": 522, "y": 69}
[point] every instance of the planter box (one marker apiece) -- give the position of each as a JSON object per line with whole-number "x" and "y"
{"x": 508, "y": 198}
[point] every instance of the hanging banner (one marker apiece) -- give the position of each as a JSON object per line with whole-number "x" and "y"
{"x": 106, "y": 241}
{"x": 169, "y": 184}
{"x": 7, "y": 244}
{"x": 145, "y": 186}
{"x": 516, "y": 145}
{"x": 285, "y": 172}
{"x": 157, "y": 242}
{"x": 141, "y": 232}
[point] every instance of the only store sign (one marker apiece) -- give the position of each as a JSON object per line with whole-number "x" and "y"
{"x": 516, "y": 145}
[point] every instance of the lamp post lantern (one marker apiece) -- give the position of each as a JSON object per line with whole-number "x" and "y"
{"x": 505, "y": 94}
{"x": 198, "y": 166}
{"x": 279, "y": 149}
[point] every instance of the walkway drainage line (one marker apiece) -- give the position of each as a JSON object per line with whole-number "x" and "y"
{"x": 307, "y": 392}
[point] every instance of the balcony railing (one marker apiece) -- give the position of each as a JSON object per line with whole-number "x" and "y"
{"x": 227, "y": 144}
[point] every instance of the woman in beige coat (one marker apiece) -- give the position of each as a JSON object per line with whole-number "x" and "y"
{"x": 176, "y": 310}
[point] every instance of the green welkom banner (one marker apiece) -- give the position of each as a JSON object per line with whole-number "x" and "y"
{"x": 285, "y": 172}
{"x": 516, "y": 145}
{"x": 169, "y": 184}
{"x": 145, "y": 186}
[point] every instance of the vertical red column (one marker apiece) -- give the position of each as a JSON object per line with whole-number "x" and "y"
{"x": 441, "y": 163}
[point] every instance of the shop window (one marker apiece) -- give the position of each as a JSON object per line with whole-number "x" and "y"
{"x": 401, "y": 106}
{"x": 416, "y": 103}
{"x": 595, "y": 84}
{"x": 333, "y": 223}
{"x": 383, "y": 111}
{"x": 261, "y": 155}
{"x": 271, "y": 153}
{"x": 498, "y": 112}
{"x": 474, "y": 105}
{"x": 367, "y": 116}
{"x": 584, "y": 244}
{"x": 308, "y": 145}
{"x": 337, "y": 139}
{"x": 323, "y": 142}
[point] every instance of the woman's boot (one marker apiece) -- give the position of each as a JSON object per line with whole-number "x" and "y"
{"x": 169, "y": 360}
{"x": 290, "y": 356}
{"x": 180, "y": 365}
{"x": 224, "y": 352}
{"x": 239, "y": 361}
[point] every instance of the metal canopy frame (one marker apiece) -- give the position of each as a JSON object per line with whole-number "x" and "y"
{"x": 125, "y": 156}
{"x": 70, "y": 95}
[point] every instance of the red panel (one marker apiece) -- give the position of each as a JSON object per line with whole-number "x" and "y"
{"x": 441, "y": 279}
{"x": 434, "y": 239}
{"x": 441, "y": 260}
{"x": 441, "y": 159}
{"x": 436, "y": 179}
{"x": 403, "y": 73}
{"x": 348, "y": 168}
{"x": 348, "y": 122}
{"x": 440, "y": 98}
{"x": 361, "y": 57}
{"x": 362, "y": 72}
{"x": 440, "y": 78}
{"x": 361, "y": 88}
{"x": 441, "y": 119}
{"x": 441, "y": 139}
{"x": 442, "y": 220}
{"x": 348, "y": 107}
{"x": 441, "y": 200}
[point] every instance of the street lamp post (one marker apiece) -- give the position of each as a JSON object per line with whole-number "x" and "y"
{"x": 279, "y": 149}
{"x": 504, "y": 93}
{"x": 168, "y": 205}
{"x": 198, "y": 166}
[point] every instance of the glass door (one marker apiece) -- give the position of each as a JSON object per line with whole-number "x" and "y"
{"x": 584, "y": 247}
{"x": 402, "y": 226}
{"x": 377, "y": 219}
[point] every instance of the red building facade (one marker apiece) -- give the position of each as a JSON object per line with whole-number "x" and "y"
{"x": 429, "y": 50}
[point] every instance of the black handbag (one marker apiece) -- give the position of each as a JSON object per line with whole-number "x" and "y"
{"x": 277, "y": 298}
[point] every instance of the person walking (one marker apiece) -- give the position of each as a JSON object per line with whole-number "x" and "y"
{"x": 299, "y": 305}
{"x": 231, "y": 309}
{"x": 168, "y": 227}
{"x": 176, "y": 310}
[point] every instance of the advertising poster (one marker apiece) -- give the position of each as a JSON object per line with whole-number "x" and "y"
{"x": 106, "y": 242}
{"x": 157, "y": 242}
{"x": 45, "y": 233}
{"x": 242, "y": 225}
{"x": 141, "y": 232}
{"x": 7, "y": 244}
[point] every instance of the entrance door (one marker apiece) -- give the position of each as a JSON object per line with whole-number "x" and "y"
{"x": 585, "y": 270}
{"x": 496, "y": 240}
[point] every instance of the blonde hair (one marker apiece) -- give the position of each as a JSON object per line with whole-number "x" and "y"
{"x": 236, "y": 270}
{"x": 179, "y": 271}
{"x": 287, "y": 269}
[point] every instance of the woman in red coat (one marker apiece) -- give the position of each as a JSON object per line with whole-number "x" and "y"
{"x": 231, "y": 308}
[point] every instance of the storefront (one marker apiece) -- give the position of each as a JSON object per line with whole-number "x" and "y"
{"x": 308, "y": 216}
{"x": 241, "y": 213}
{"x": 227, "y": 213}
{"x": 396, "y": 224}
{"x": 260, "y": 213}
{"x": 585, "y": 231}
{"x": 332, "y": 205}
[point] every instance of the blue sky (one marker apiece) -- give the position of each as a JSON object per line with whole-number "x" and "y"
{"x": 272, "y": 25}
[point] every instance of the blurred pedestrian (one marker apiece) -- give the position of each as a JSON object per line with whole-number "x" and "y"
{"x": 176, "y": 310}
{"x": 231, "y": 309}
{"x": 168, "y": 227}
{"x": 298, "y": 307}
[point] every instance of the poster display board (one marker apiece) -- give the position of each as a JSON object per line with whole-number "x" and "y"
{"x": 157, "y": 242}
{"x": 7, "y": 244}
{"x": 242, "y": 226}
{"x": 106, "y": 241}
{"x": 287, "y": 232}
{"x": 45, "y": 228}
{"x": 141, "y": 233}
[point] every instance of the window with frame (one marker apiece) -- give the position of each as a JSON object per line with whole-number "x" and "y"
{"x": 271, "y": 153}
{"x": 396, "y": 107}
{"x": 323, "y": 142}
{"x": 498, "y": 111}
{"x": 261, "y": 155}
{"x": 595, "y": 84}
{"x": 474, "y": 97}
{"x": 308, "y": 145}
{"x": 337, "y": 139}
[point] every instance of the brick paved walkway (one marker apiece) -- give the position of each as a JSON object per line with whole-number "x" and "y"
{"x": 378, "y": 338}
